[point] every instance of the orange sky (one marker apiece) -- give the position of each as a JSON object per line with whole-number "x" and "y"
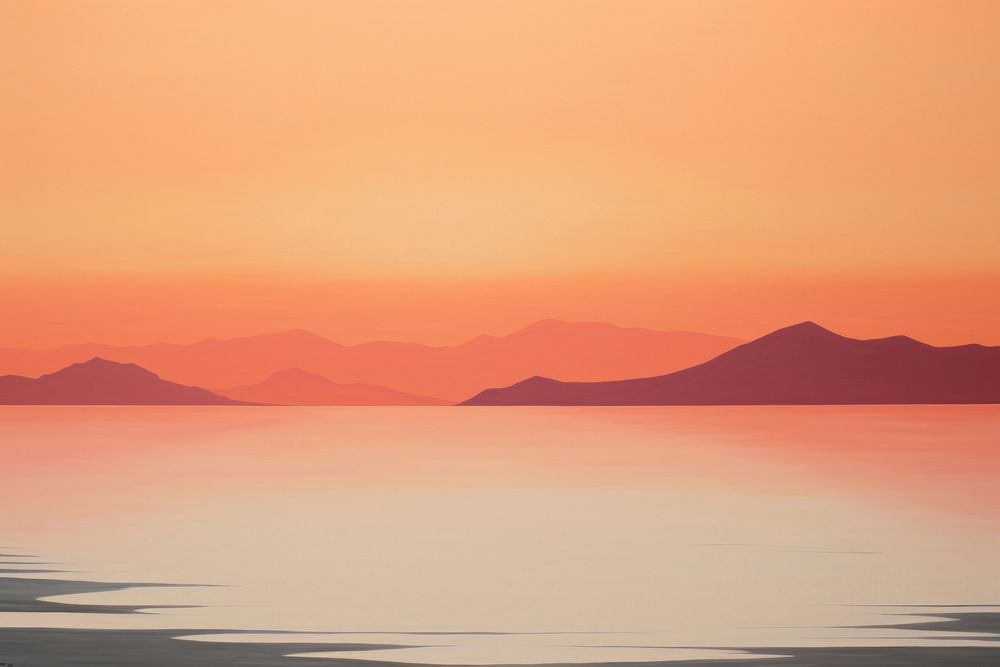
{"x": 429, "y": 171}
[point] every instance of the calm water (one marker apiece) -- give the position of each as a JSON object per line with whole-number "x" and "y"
{"x": 588, "y": 534}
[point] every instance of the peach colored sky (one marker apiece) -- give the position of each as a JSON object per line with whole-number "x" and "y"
{"x": 430, "y": 171}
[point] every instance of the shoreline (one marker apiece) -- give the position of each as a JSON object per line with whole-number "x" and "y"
{"x": 65, "y": 647}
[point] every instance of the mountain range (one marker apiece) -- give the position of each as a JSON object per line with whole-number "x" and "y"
{"x": 585, "y": 351}
{"x": 799, "y": 365}
{"x": 295, "y": 386}
{"x": 102, "y": 382}
{"x": 803, "y": 364}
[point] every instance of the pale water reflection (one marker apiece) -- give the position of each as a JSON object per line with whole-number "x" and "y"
{"x": 652, "y": 527}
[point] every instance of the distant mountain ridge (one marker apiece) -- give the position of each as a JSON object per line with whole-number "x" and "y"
{"x": 567, "y": 350}
{"x": 804, "y": 364}
{"x": 102, "y": 382}
{"x": 295, "y": 386}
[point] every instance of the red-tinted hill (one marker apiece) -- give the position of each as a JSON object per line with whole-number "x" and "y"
{"x": 103, "y": 382}
{"x": 804, "y": 364}
{"x": 295, "y": 386}
{"x": 566, "y": 350}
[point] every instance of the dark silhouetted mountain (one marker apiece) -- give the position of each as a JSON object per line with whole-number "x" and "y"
{"x": 583, "y": 351}
{"x": 803, "y": 364}
{"x": 103, "y": 382}
{"x": 295, "y": 386}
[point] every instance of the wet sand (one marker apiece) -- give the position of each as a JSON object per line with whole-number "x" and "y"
{"x": 49, "y": 647}
{"x": 56, "y": 647}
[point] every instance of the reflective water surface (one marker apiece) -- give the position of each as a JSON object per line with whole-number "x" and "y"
{"x": 516, "y": 535}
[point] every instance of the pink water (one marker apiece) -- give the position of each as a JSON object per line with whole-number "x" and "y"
{"x": 746, "y": 526}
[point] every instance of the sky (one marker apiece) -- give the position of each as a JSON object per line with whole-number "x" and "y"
{"x": 430, "y": 171}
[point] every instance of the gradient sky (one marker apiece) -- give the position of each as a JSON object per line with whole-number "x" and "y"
{"x": 433, "y": 170}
